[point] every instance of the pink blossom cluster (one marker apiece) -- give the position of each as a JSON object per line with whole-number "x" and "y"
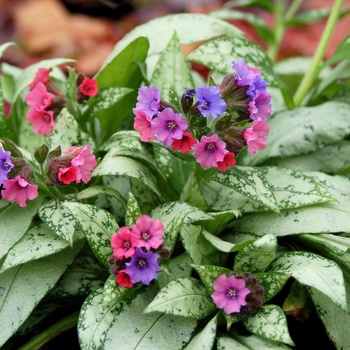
{"x": 134, "y": 257}
{"x": 46, "y": 100}
{"x": 241, "y": 99}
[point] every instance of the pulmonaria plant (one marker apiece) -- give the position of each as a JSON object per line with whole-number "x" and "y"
{"x": 135, "y": 259}
{"x": 216, "y": 122}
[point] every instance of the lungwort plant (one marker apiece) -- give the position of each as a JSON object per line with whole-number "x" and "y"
{"x": 162, "y": 206}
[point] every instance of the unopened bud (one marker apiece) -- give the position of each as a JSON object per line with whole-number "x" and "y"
{"x": 187, "y": 100}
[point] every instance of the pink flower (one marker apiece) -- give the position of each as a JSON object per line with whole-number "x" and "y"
{"x": 255, "y": 136}
{"x": 143, "y": 125}
{"x": 123, "y": 243}
{"x": 43, "y": 120}
{"x": 260, "y": 106}
{"x": 168, "y": 126}
{"x": 230, "y": 293}
{"x": 67, "y": 175}
{"x": 41, "y": 76}
{"x": 228, "y": 161}
{"x": 89, "y": 87}
{"x": 84, "y": 163}
{"x": 19, "y": 190}
{"x": 123, "y": 279}
{"x": 148, "y": 100}
{"x": 39, "y": 98}
{"x": 149, "y": 232}
{"x": 185, "y": 144}
{"x": 209, "y": 151}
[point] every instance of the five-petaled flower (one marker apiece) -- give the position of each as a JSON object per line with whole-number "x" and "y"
{"x": 123, "y": 243}
{"x": 256, "y": 136}
{"x": 6, "y": 164}
{"x": 230, "y": 293}
{"x": 210, "y": 101}
{"x": 89, "y": 87}
{"x": 148, "y": 100}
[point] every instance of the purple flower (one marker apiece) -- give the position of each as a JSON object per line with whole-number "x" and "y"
{"x": 260, "y": 107}
{"x": 230, "y": 293}
{"x": 210, "y": 101}
{"x": 6, "y": 164}
{"x": 249, "y": 76}
{"x": 168, "y": 126}
{"x": 209, "y": 151}
{"x": 143, "y": 266}
{"x": 148, "y": 100}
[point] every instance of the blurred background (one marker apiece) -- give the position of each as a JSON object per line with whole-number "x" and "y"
{"x": 87, "y": 30}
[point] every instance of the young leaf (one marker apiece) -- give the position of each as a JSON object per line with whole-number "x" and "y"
{"x": 256, "y": 256}
{"x": 12, "y": 230}
{"x": 314, "y": 271}
{"x": 270, "y": 323}
{"x": 205, "y": 339}
{"x": 185, "y": 297}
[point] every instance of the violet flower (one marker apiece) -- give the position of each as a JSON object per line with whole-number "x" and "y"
{"x": 6, "y": 164}
{"x": 210, "y": 101}
{"x": 148, "y": 100}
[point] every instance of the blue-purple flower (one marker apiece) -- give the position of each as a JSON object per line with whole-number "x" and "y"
{"x": 6, "y": 164}
{"x": 143, "y": 266}
{"x": 168, "y": 126}
{"x": 149, "y": 100}
{"x": 210, "y": 101}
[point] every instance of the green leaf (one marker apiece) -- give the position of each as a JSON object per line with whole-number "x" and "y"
{"x": 218, "y": 55}
{"x": 23, "y": 286}
{"x": 100, "y": 189}
{"x": 67, "y": 132}
{"x": 132, "y": 211}
{"x": 185, "y": 297}
{"x": 218, "y": 243}
{"x": 314, "y": 271}
{"x": 112, "y": 291}
{"x": 254, "y": 342}
{"x": 98, "y": 225}
{"x": 256, "y": 256}
{"x": 172, "y": 70}
{"x": 272, "y": 282}
{"x": 209, "y": 273}
{"x": 270, "y": 323}
{"x": 38, "y": 242}
{"x": 71, "y": 84}
{"x": 200, "y": 250}
{"x": 219, "y": 221}
{"x": 58, "y": 217}
{"x": 249, "y": 182}
{"x": 303, "y": 130}
{"x": 205, "y": 339}
{"x": 15, "y": 221}
{"x": 226, "y": 343}
{"x": 341, "y": 52}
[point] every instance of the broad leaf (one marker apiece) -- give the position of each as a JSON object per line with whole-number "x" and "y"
{"x": 132, "y": 211}
{"x": 14, "y": 222}
{"x": 185, "y": 297}
{"x": 254, "y": 342}
{"x": 226, "y": 343}
{"x": 314, "y": 271}
{"x": 272, "y": 282}
{"x": 256, "y": 256}
{"x": 270, "y": 323}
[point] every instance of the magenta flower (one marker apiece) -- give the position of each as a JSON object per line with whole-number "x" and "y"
{"x": 41, "y": 76}
{"x": 255, "y": 136}
{"x": 19, "y": 190}
{"x": 43, "y": 120}
{"x": 184, "y": 145}
{"x": 149, "y": 232}
{"x": 210, "y": 101}
{"x": 168, "y": 126}
{"x": 143, "y": 125}
{"x": 260, "y": 106}
{"x": 209, "y": 151}
{"x": 143, "y": 266}
{"x": 249, "y": 76}
{"x": 123, "y": 243}
{"x": 89, "y": 87}
{"x": 39, "y": 98}
{"x": 229, "y": 293}
{"x": 84, "y": 162}
{"x": 6, "y": 164}
{"x": 148, "y": 100}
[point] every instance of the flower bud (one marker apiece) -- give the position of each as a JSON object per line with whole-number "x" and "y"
{"x": 187, "y": 100}
{"x": 53, "y": 167}
{"x": 41, "y": 153}
{"x": 234, "y": 139}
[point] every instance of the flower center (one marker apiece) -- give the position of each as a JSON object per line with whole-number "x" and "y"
{"x": 232, "y": 293}
{"x": 6, "y": 166}
{"x": 127, "y": 245}
{"x": 146, "y": 236}
{"x": 141, "y": 263}
{"x": 205, "y": 105}
{"x": 172, "y": 125}
{"x": 211, "y": 147}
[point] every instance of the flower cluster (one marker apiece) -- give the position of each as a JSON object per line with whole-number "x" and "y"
{"x": 215, "y": 122}
{"x": 46, "y": 100}
{"x": 137, "y": 251}
{"x": 239, "y": 294}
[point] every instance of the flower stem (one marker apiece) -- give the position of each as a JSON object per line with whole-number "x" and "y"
{"x": 44, "y": 337}
{"x": 309, "y": 78}
{"x": 278, "y": 30}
